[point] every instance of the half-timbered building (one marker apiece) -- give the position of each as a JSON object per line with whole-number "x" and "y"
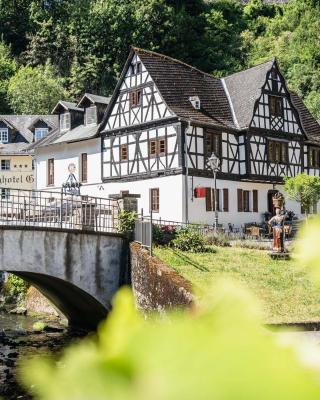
{"x": 166, "y": 118}
{"x": 153, "y": 138}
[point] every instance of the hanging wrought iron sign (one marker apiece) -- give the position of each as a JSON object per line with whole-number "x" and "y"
{"x": 71, "y": 186}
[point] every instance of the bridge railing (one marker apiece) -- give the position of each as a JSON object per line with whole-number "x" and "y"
{"x": 58, "y": 210}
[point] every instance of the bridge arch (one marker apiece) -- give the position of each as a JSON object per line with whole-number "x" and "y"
{"x": 78, "y": 271}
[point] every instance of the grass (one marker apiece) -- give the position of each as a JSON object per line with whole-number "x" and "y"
{"x": 286, "y": 293}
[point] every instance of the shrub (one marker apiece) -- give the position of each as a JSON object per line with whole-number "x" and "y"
{"x": 163, "y": 235}
{"x": 189, "y": 240}
{"x": 126, "y": 223}
{"x": 251, "y": 244}
{"x": 218, "y": 239}
{"x": 16, "y": 287}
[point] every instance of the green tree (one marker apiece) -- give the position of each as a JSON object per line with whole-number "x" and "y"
{"x": 8, "y": 68}
{"x": 35, "y": 90}
{"x": 293, "y": 36}
{"x": 303, "y": 188}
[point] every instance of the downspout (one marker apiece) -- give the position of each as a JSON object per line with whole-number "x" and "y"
{"x": 186, "y": 191}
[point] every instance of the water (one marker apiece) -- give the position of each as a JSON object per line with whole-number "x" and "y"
{"x": 18, "y": 340}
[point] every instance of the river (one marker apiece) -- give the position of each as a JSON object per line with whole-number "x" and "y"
{"x": 17, "y": 339}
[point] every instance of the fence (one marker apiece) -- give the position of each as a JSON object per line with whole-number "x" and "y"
{"x": 143, "y": 232}
{"x": 58, "y": 210}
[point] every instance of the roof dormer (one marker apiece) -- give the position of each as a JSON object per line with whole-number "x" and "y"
{"x": 40, "y": 127}
{"x": 195, "y": 102}
{"x": 70, "y": 115}
{"x": 94, "y": 108}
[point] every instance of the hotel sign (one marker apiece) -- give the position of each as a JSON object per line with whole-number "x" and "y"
{"x": 18, "y": 180}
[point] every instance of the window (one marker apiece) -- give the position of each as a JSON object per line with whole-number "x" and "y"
{"x": 153, "y": 147}
{"x": 135, "y": 68}
{"x": 157, "y": 147}
{"x": 84, "y": 167}
{"x": 213, "y": 144}
{"x": 154, "y": 200}
{"x": 123, "y": 152}
{"x": 91, "y": 115}
{"x": 39, "y": 133}
{"x": 5, "y": 194}
{"x": 135, "y": 98}
{"x": 5, "y": 165}
{"x": 275, "y": 106}
{"x": 65, "y": 121}
{"x": 50, "y": 171}
{"x": 162, "y": 147}
{"x": 4, "y": 135}
{"x": 277, "y": 151}
{"x": 314, "y": 157}
{"x": 246, "y": 200}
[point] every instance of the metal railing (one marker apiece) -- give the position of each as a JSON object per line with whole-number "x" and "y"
{"x": 58, "y": 210}
{"x": 143, "y": 232}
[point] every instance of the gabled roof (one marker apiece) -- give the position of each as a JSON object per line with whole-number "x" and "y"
{"x": 22, "y": 123}
{"x": 47, "y": 119}
{"x": 79, "y": 133}
{"x": 243, "y": 89}
{"x": 176, "y": 82}
{"x": 95, "y": 99}
{"x": 310, "y": 125}
{"x": 66, "y": 105}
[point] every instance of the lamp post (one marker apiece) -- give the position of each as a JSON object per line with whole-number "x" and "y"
{"x": 214, "y": 165}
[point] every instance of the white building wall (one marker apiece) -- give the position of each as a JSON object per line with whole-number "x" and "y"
{"x": 64, "y": 154}
{"x": 197, "y": 206}
{"x": 170, "y": 187}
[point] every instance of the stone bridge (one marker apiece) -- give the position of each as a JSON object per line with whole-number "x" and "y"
{"x": 78, "y": 271}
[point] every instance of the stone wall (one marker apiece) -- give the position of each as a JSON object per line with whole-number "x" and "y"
{"x": 37, "y": 303}
{"x": 155, "y": 285}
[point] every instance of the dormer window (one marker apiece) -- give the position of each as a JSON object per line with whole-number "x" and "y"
{"x": 91, "y": 115}
{"x": 4, "y": 135}
{"x": 64, "y": 121}
{"x": 39, "y": 133}
{"x": 195, "y": 101}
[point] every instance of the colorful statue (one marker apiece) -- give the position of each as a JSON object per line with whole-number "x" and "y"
{"x": 277, "y": 223}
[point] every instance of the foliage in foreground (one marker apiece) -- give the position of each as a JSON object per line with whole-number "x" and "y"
{"x": 218, "y": 351}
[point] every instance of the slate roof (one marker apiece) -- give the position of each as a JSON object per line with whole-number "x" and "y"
{"x": 81, "y": 132}
{"x": 309, "y": 123}
{"x": 94, "y": 98}
{"x": 22, "y": 124}
{"x": 177, "y": 81}
{"x": 67, "y": 105}
{"x": 243, "y": 89}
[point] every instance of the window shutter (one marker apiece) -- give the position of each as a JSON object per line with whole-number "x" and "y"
{"x": 208, "y": 200}
{"x": 240, "y": 200}
{"x": 213, "y": 207}
{"x": 255, "y": 201}
{"x": 225, "y": 200}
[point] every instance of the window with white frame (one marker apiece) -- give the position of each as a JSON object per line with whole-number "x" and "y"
{"x": 91, "y": 115}
{"x": 64, "y": 121}
{"x": 5, "y": 194}
{"x": 4, "y": 135}
{"x": 39, "y": 133}
{"x": 5, "y": 165}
